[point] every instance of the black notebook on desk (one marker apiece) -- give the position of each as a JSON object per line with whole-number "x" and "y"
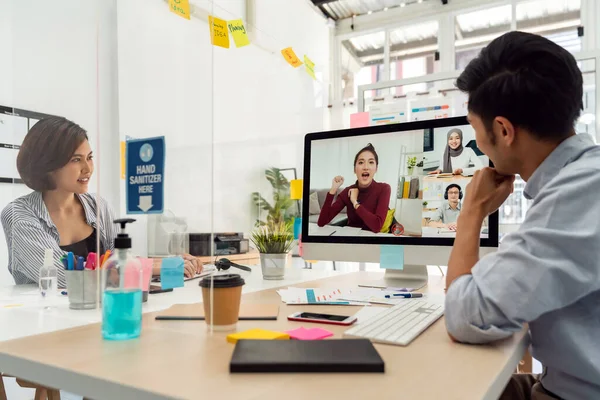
{"x": 344, "y": 355}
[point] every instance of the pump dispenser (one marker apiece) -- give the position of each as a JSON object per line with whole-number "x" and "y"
{"x": 122, "y": 290}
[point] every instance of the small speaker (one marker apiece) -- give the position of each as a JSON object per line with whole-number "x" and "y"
{"x": 580, "y": 31}
{"x": 437, "y": 56}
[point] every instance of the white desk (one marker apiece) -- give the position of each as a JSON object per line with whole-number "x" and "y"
{"x": 32, "y": 318}
{"x": 181, "y": 360}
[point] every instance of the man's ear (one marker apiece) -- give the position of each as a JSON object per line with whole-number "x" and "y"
{"x": 504, "y": 131}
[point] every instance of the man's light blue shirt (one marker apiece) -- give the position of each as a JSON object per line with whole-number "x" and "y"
{"x": 546, "y": 274}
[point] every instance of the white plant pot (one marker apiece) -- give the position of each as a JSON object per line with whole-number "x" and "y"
{"x": 273, "y": 265}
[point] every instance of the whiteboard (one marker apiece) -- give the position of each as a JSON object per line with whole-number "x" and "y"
{"x": 14, "y": 125}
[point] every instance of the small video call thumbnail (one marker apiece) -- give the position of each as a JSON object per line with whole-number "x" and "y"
{"x": 408, "y": 184}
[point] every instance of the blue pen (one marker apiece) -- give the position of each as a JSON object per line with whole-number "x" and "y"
{"x": 79, "y": 263}
{"x": 404, "y": 295}
{"x": 70, "y": 261}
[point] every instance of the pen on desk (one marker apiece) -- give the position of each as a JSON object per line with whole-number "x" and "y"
{"x": 331, "y": 234}
{"x": 187, "y": 318}
{"x": 79, "y": 264}
{"x": 91, "y": 261}
{"x": 404, "y": 295}
{"x": 70, "y": 261}
{"x": 105, "y": 258}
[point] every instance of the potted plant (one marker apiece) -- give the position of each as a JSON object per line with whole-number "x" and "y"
{"x": 425, "y": 204}
{"x": 411, "y": 162}
{"x": 274, "y": 241}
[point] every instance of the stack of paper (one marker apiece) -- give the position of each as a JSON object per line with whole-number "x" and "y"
{"x": 293, "y": 295}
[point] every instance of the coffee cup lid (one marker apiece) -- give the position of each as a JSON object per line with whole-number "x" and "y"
{"x": 222, "y": 281}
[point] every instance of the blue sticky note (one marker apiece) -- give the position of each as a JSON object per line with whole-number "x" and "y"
{"x": 171, "y": 273}
{"x": 391, "y": 257}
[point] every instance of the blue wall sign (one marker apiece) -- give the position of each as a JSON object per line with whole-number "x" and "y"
{"x": 145, "y": 175}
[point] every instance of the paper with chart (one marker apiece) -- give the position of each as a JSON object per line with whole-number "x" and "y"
{"x": 294, "y": 295}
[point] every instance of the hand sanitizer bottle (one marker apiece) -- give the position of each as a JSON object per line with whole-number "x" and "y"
{"x": 122, "y": 290}
{"x": 48, "y": 276}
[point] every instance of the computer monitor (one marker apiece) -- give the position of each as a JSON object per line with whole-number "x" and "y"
{"x": 409, "y": 193}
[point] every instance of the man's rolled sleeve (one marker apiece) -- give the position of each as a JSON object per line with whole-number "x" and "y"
{"x": 465, "y": 309}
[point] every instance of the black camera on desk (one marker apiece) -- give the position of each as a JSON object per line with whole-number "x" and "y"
{"x": 218, "y": 244}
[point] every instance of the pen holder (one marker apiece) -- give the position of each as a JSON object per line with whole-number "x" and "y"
{"x": 82, "y": 288}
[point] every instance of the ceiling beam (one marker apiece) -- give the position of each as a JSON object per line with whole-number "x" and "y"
{"x": 319, "y": 3}
{"x": 394, "y": 47}
{"x": 414, "y": 13}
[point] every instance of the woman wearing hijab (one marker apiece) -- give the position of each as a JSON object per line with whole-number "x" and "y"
{"x": 458, "y": 159}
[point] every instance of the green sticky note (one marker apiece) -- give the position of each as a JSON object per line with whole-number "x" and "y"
{"x": 391, "y": 257}
{"x": 171, "y": 273}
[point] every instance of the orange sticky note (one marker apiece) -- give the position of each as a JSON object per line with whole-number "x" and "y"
{"x": 291, "y": 57}
{"x": 310, "y": 67}
{"x": 219, "y": 35}
{"x": 122, "y": 160}
{"x": 238, "y": 31}
{"x": 180, "y": 7}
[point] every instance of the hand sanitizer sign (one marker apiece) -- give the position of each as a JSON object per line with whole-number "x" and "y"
{"x": 145, "y": 175}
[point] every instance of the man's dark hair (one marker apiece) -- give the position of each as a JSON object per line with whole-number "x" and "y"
{"x": 47, "y": 147}
{"x": 368, "y": 147}
{"x": 527, "y": 79}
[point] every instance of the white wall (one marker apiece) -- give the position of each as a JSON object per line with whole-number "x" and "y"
{"x": 55, "y": 56}
{"x": 244, "y": 109}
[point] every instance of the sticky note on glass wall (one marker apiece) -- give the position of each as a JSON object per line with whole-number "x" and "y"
{"x": 238, "y": 31}
{"x": 171, "y": 273}
{"x": 391, "y": 257}
{"x": 219, "y": 35}
{"x": 180, "y": 7}
{"x": 310, "y": 67}
{"x": 291, "y": 57}
{"x": 123, "y": 147}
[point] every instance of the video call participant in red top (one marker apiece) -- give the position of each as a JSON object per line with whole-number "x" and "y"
{"x": 367, "y": 201}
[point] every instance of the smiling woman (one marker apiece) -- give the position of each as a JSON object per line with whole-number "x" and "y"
{"x": 56, "y": 161}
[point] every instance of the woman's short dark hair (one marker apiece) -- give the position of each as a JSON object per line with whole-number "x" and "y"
{"x": 47, "y": 147}
{"x": 368, "y": 147}
{"x": 528, "y": 79}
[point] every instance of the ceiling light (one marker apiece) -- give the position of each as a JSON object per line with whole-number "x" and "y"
{"x": 370, "y": 12}
{"x": 402, "y": 4}
{"x": 385, "y": 9}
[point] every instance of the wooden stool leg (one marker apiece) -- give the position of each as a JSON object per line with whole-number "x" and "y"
{"x": 526, "y": 364}
{"x": 53, "y": 394}
{"x": 40, "y": 394}
{"x": 2, "y": 389}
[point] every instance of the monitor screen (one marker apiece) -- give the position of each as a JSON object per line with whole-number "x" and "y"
{"x": 402, "y": 182}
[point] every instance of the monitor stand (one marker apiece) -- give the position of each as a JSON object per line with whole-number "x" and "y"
{"x": 412, "y": 276}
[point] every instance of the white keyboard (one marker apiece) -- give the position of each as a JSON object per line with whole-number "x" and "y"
{"x": 399, "y": 324}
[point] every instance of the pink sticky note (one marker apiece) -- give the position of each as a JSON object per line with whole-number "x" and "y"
{"x": 147, "y": 264}
{"x": 132, "y": 275}
{"x": 359, "y": 120}
{"x": 309, "y": 334}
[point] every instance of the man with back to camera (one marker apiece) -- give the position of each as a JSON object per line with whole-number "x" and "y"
{"x": 447, "y": 214}
{"x": 525, "y": 94}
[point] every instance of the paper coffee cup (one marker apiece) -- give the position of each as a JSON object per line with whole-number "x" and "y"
{"x": 226, "y": 298}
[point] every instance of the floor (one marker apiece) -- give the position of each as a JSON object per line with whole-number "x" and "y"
{"x": 14, "y": 392}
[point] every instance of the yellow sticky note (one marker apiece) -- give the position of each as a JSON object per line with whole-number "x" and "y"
{"x": 180, "y": 7}
{"x": 291, "y": 57}
{"x": 310, "y": 67}
{"x": 238, "y": 31}
{"x": 219, "y": 35}
{"x": 257, "y": 334}
{"x": 122, "y": 160}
